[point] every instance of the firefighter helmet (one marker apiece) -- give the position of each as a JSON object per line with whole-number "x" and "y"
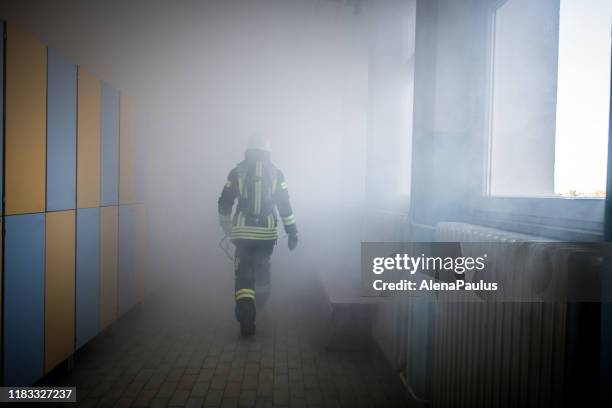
{"x": 259, "y": 142}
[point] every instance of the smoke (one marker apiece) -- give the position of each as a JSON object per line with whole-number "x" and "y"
{"x": 297, "y": 73}
{"x": 203, "y": 76}
{"x": 331, "y": 85}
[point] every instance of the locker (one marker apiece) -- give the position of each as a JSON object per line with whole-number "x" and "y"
{"x": 1, "y": 276}
{"x": 59, "y": 287}
{"x": 127, "y": 193}
{"x": 126, "y": 277}
{"x": 1, "y": 156}
{"x": 25, "y": 122}
{"x": 139, "y": 252}
{"x": 88, "y": 140}
{"x": 2, "y": 25}
{"x": 110, "y": 146}
{"x": 108, "y": 265}
{"x": 87, "y": 275}
{"x": 24, "y": 271}
{"x": 61, "y": 132}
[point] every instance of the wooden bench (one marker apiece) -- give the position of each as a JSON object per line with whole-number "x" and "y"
{"x": 351, "y": 314}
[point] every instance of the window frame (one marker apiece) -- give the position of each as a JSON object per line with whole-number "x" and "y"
{"x": 544, "y": 216}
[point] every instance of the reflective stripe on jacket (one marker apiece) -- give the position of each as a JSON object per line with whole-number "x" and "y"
{"x": 260, "y": 188}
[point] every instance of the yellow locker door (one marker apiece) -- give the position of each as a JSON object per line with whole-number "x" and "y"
{"x": 26, "y": 116}
{"x": 127, "y": 194}
{"x": 60, "y": 249}
{"x": 88, "y": 140}
{"x": 109, "y": 226}
{"x": 1, "y": 279}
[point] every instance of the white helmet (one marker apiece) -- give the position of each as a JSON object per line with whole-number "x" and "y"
{"x": 259, "y": 142}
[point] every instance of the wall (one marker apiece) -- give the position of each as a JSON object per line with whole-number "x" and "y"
{"x": 390, "y": 104}
{"x": 448, "y": 69}
{"x": 449, "y": 110}
{"x": 66, "y": 266}
{"x": 451, "y": 113}
{"x": 449, "y": 86}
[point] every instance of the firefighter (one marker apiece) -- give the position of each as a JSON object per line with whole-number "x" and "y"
{"x": 260, "y": 189}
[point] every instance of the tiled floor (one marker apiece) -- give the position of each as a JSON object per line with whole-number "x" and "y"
{"x": 177, "y": 351}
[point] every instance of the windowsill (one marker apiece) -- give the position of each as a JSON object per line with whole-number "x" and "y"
{"x": 546, "y": 197}
{"x": 563, "y": 218}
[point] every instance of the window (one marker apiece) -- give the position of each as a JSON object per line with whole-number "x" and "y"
{"x": 583, "y": 99}
{"x": 549, "y": 98}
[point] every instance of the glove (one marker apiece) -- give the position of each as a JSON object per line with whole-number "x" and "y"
{"x": 292, "y": 241}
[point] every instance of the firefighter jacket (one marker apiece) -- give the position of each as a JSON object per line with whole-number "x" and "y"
{"x": 260, "y": 189}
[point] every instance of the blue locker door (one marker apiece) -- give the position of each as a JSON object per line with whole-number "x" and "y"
{"x": 87, "y": 274}
{"x": 61, "y": 132}
{"x": 109, "y": 185}
{"x": 24, "y": 313}
{"x": 1, "y": 109}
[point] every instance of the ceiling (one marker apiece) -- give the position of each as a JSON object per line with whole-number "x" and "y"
{"x": 117, "y": 39}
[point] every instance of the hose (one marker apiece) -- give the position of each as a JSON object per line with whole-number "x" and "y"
{"x": 226, "y": 245}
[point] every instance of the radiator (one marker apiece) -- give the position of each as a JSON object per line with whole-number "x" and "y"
{"x": 498, "y": 354}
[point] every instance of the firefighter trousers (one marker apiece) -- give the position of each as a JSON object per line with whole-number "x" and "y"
{"x": 252, "y": 273}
